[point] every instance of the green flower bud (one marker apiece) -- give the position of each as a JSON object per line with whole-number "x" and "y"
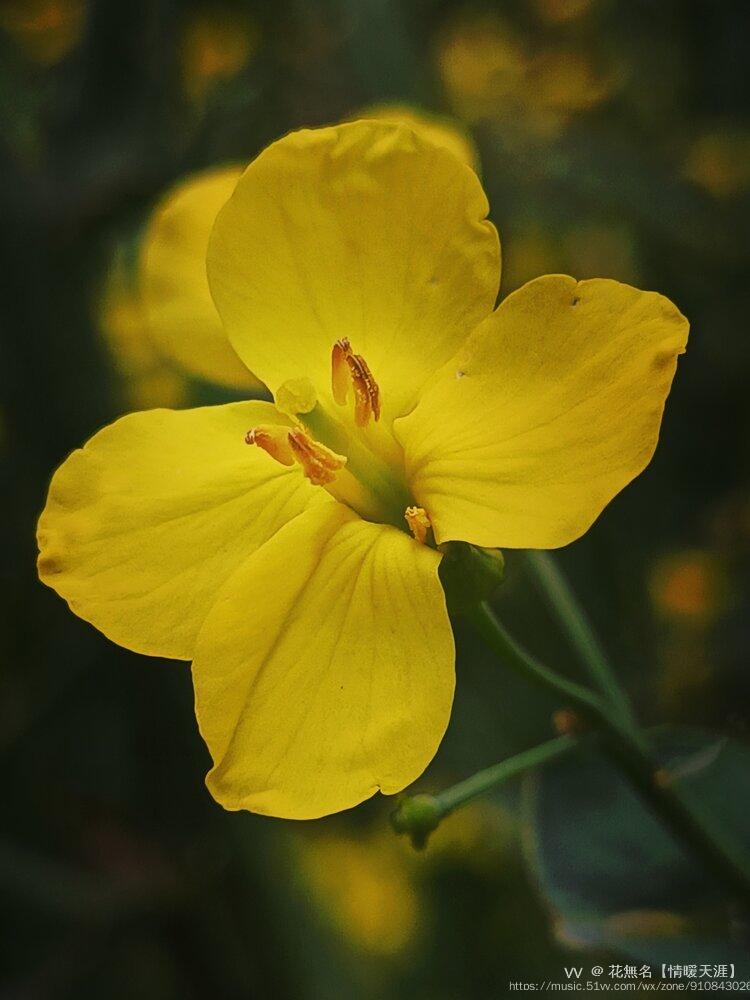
{"x": 417, "y": 816}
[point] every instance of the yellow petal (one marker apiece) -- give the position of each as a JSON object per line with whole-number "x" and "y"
{"x": 182, "y": 318}
{"x": 145, "y": 523}
{"x": 365, "y": 231}
{"x": 441, "y": 130}
{"x": 325, "y": 669}
{"x": 552, "y": 407}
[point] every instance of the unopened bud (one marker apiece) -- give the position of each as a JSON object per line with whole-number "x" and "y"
{"x": 417, "y": 816}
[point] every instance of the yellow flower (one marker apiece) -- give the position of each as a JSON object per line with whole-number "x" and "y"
{"x": 364, "y": 883}
{"x": 180, "y": 314}
{"x": 491, "y": 73}
{"x": 719, "y": 161}
{"x": 356, "y": 274}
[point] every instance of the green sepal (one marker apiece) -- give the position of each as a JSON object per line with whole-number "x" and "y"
{"x": 469, "y": 574}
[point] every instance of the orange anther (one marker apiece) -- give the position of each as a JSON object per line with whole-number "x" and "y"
{"x": 319, "y": 463}
{"x": 418, "y": 521}
{"x": 274, "y": 440}
{"x": 340, "y": 377}
{"x": 348, "y": 367}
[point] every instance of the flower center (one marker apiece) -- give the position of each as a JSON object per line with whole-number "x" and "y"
{"x": 356, "y": 463}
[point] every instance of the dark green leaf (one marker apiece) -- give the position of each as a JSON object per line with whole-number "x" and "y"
{"x": 614, "y": 875}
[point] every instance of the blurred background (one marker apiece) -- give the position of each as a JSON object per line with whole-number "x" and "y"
{"x": 613, "y": 140}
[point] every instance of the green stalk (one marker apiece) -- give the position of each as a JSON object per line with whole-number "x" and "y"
{"x": 665, "y": 796}
{"x": 577, "y": 627}
{"x": 419, "y": 815}
{"x": 484, "y": 781}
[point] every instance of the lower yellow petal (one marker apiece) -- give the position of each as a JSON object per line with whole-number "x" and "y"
{"x": 182, "y": 319}
{"x": 552, "y": 407}
{"x": 145, "y": 523}
{"x": 325, "y": 670}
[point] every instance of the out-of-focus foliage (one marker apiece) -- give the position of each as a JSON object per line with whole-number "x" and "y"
{"x": 627, "y": 885}
{"x": 613, "y": 141}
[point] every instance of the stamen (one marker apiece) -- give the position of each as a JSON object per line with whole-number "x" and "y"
{"x": 274, "y": 440}
{"x": 319, "y": 463}
{"x": 418, "y": 521}
{"x": 346, "y": 367}
{"x": 340, "y": 377}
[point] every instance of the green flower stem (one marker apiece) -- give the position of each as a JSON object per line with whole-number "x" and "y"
{"x": 498, "y": 774}
{"x": 419, "y": 815}
{"x": 483, "y": 619}
{"x": 667, "y": 797}
{"x": 576, "y": 625}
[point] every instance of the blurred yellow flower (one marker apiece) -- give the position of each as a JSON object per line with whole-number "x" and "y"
{"x": 356, "y": 273}
{"x": 483, "y": 64}
{"x": 719, "y": 162}
{"x": 561, "y": 11}
{"x": 532, "y": 252}
{"x": 592, "y": 248}
{"x": 161, "y": 323}
{"x": 217, "y": 43}
{"x": 562, "y": 81}
{"x": 45, "y": 30}
{"x": 688, "y": 585}
{"x": 146, "y": 379}
{"x": 490, "y": 73}
{"x": 180, "y": 313}
{"x": 478, "y": 836}
{"x": 365, "y": 884}
{"x": 371, "y": 884}
{"x": 587, "y": 249}
{"x": 690, "y": 590}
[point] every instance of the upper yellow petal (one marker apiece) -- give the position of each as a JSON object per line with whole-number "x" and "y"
{"x": 439, "y": 129}
{"x": 366, "y": 231}
{"x": 145, "y": 523}
{"x": 325, "y": 669}
{"x": 181, "y": 316}
{"x": 552, "y": 407}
